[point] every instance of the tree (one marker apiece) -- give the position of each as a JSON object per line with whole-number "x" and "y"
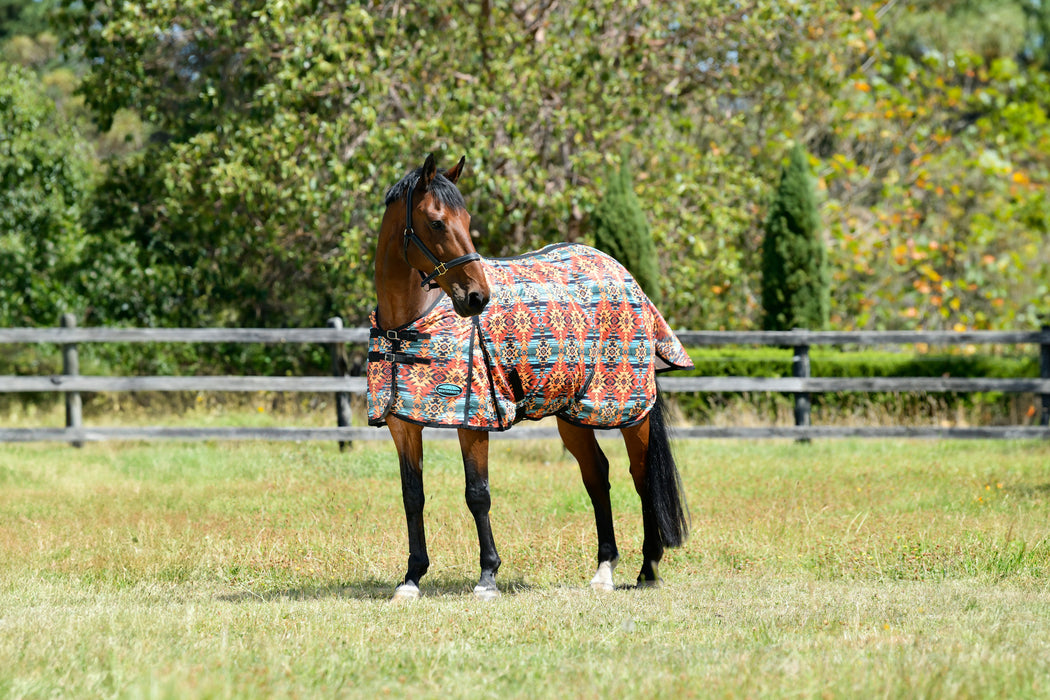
{"x": 936, "y": 176}
{"x": 277, "y": 126}
{"x": 621, "y": 230}
{"x": 45, "y": 174}
{"x": 26, "y": 17}
{"x": 795, "y": 281}
{"x": 234, "y": 211}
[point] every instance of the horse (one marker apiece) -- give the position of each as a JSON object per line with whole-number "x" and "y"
{"x": 478, "y": 344}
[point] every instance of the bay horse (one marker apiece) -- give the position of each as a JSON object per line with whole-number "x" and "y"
{"x": 460, "y": 341}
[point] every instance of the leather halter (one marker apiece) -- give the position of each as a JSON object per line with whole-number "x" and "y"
{"x": 440, "y": 268}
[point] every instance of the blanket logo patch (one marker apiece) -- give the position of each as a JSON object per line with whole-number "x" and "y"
{"x": 448, "y": 390}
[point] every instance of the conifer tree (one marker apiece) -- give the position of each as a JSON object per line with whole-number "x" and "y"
{"x": 795, "y": 279}
{"x": 621, "y": 229}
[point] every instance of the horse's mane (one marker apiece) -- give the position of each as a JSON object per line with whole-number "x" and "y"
{"x": 441, "y": 188}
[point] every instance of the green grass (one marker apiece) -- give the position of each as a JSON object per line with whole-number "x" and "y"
{"x": 838, "y": 568}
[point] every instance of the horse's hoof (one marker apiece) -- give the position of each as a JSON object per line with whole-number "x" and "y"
{"x": 406, "y": 591}
{"x": 603, "y": 580}
{"x": 649, "y": 577}
{"x": 486, "y": 592}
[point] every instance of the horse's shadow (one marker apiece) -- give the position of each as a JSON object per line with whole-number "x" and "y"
{"x": 365, "y": 589}
{"x": 1029, "y": 491}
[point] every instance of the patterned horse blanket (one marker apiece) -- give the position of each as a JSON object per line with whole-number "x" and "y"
{"x": 567, "y": 332}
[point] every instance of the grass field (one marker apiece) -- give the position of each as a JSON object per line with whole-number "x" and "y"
{"x": 834, "y": 569}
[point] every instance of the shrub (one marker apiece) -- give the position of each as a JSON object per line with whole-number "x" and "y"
{"x": 621, "y": 230}
{"x": 795, "y": 278}
{"x": 912, "y": 407}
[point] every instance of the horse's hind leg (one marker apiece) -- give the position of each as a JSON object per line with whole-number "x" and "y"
{"x": 474, "y": 445}
{"x": 636, "y": 439}
{"x": 594, "y": 467}
{"x": 665, "y": 515}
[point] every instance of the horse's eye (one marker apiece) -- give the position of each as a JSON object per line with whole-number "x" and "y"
{"x": 437, "y": 225}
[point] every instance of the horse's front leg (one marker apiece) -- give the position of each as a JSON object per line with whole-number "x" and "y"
{"x": 594, "y": 467}
{"x": 408, "y": 439}
{"x": 475, "y": 447}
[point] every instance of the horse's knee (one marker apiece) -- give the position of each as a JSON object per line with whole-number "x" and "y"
{"x": 412, "y": 489}
{"x": 478, "y": 498}
{"x": 414, "y": 501}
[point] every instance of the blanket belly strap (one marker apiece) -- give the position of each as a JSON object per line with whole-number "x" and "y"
{"x": 398, "y": 357}
{"x": 404, "y": 335}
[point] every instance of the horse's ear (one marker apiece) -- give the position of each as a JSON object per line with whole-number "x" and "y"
{"x": 429, "y": 171}
{"x": 454, "y": 173}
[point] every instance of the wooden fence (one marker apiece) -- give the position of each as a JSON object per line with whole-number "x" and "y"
{"x": 801, "y": 384}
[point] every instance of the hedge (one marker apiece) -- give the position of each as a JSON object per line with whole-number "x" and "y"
{"x": 992, "y": 407}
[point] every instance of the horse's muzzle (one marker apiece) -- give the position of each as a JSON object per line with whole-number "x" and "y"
{"x": 470, "y": 303}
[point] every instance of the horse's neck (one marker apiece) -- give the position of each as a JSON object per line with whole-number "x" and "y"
{"x": 401, "y": 299}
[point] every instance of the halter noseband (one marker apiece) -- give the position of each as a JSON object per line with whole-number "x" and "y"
{"x": 440, "y": 268}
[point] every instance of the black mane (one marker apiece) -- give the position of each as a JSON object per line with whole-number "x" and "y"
{"x": 441, "y": 188}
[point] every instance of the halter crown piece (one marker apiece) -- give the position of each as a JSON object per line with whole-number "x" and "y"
{"x": 440, "y": 268}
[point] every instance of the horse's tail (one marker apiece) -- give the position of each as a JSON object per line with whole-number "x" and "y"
{"x": 665, "y": 485}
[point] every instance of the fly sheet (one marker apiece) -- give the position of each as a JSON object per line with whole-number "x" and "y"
{"x": 567, "y": 332}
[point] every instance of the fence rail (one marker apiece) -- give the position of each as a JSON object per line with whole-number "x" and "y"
{"x": 71, "y": 383}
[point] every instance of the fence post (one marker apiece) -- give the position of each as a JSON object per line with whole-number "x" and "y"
{"x": 71, "y": 368}
{"x": 340, "y": 369}
{"x": 800, "y": 370}
{"x": 1044, "y": 372}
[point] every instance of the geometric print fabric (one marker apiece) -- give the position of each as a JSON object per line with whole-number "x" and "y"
{"x": 567, "y": 332}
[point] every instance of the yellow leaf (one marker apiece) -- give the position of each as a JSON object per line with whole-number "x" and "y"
{"x": 930, "y": 273}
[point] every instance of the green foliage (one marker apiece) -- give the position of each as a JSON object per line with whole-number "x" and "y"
{"x": 990, "y": 408}
{"x": 937, "y": 187}
{"x": 278, "y": 115}
{"x": 794, "y": 259}
{"x": 234, "y": 212}
{"x": 45, "y": 170}
{"x": 23, "y": 17}
{"x": 246, "y": 148}
{"x": 621, "y": 230}
{"x": 772, "y": 362}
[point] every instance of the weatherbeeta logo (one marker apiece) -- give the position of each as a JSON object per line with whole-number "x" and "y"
{"x": 448, "y": 390}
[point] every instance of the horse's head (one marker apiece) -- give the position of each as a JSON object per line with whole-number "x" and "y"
{"x": 436, "y": 235}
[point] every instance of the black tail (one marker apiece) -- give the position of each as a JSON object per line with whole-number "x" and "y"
{"x": 665, "y": 485}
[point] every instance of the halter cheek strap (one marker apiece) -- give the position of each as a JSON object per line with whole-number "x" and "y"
{"x": 440, "y": 268}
